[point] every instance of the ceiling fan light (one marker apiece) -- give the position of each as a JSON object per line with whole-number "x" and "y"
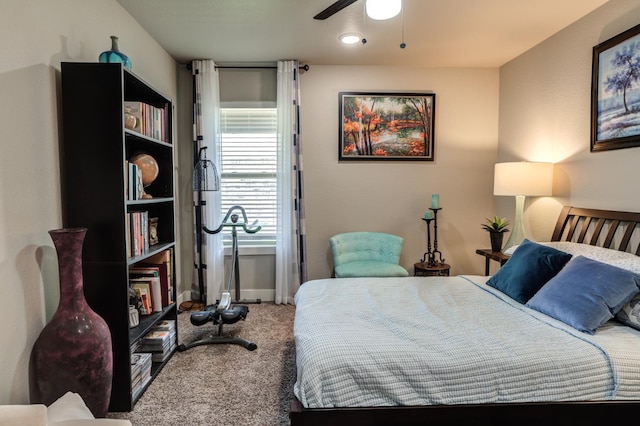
{"x": 350, "y": 38}
{"x": 383, "y": 9}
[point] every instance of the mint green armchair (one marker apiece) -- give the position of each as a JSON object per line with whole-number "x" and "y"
{"x": 367, "y": 254}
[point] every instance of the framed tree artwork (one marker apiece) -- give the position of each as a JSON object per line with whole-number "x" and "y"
{"x": 386, "y": 126}
{"x": 615, "y": 92}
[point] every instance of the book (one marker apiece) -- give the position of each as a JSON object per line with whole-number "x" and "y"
{"x": 161, "y": 340}
{"x": 143, "y": 289}
{"x": 150, "y": 120}
{"x": 164, "y": 262}
{"x": 156, "y": 340}
{"x": 154, "y": 270}
{"x": 165, "y": 325}
{"x": 140, "y": 372}
{"x": 153, "y": 289}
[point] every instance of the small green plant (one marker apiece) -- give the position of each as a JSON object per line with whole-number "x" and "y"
{"x": 496, "y": 224}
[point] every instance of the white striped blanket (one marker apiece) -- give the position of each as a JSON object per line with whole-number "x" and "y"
{"x": 366, "y": 342}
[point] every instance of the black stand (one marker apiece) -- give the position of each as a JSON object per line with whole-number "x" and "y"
{"x": 429, "y": 258}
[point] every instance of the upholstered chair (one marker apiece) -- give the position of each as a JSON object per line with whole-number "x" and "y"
{"x": 367, "y": 254}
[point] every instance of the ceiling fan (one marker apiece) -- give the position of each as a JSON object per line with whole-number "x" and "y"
{"x": 376, "y": 9}
{"x": 333, "y": 9}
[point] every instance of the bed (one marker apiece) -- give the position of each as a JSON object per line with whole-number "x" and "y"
{"x": 445, "y": 350}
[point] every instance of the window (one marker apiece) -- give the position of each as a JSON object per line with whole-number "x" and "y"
{"x": 248, "y": 176}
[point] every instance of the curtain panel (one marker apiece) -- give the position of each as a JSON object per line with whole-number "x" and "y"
{"x": 291, "y": 268}
{"x": 206, "y": 133}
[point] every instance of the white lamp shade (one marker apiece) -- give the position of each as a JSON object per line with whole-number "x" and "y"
{"x": 383, "y": 9}
{"x": 523, "y": 178}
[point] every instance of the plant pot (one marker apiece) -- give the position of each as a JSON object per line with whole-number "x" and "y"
{"x": 496, "y": 240}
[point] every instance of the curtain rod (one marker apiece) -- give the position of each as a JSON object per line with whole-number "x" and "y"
{"x": 301, "y": 67}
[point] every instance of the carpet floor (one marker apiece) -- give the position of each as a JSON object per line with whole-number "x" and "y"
{"x": 225, "y": 384}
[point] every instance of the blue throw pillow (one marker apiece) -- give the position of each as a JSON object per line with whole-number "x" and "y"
{"x": 527, "y": 270}
{"x": 586, "y": 293}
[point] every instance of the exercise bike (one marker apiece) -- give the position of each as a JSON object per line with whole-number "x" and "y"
{"x": 226, "y": 311}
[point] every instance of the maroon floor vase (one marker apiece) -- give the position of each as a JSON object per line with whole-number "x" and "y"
{"x": 73, "y": 352}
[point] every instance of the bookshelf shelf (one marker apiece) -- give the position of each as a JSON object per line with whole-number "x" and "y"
{"x": 95, "y": 195}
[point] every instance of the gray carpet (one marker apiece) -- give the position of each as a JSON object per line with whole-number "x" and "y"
{"x": 225, "y": 384}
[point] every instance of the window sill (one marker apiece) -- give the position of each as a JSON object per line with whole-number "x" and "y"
{"x": 252, "y": 251}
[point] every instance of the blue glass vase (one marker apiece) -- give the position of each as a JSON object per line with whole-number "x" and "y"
{"x": 114, "y": 55}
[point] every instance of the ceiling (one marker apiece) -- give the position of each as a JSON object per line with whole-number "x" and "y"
{"x": 437, "y": 33}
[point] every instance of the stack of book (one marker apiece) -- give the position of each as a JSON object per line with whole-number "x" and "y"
{"x": 152, "y": 282}
{"x": 134, "y": 188}
{"x": 137, "y": 232}
{"x": 150, "y": 120}
{"x": 140, "y": 372}
{"x": 160, "y": 341}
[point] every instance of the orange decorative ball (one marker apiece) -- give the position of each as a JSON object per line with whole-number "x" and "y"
{"x": 148, "y": 166}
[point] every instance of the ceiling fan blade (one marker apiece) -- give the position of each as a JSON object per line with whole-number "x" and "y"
{"x": 334, "y": 8}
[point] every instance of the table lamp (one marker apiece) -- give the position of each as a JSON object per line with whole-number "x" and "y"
{"x": 520, "y": 179}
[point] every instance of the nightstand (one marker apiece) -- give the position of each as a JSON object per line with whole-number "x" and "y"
{"x": 421, "y": 269}
{"x": 489, "y": 255}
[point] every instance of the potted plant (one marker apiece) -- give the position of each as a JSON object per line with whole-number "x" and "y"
{"x": 496, "y": 228}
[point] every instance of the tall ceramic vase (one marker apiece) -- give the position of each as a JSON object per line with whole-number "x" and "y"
{"x": 73, "y": 352}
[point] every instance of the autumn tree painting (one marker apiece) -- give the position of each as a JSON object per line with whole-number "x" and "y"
{"x": 386, "y": 126}
{"x": 618, "y": 89}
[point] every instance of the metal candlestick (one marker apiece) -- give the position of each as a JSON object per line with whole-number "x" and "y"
{"x": 430, "y": 256}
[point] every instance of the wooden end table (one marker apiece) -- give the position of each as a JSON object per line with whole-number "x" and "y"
{"x": 424, "y": 270}
{"x": 489, "y": 255}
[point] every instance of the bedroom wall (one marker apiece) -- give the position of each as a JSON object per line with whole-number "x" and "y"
{"x": 392, "y": 196}
{"x": 545, "y": 98}
{"x": 387, "y": 196}
{"x": 36, "y": 36}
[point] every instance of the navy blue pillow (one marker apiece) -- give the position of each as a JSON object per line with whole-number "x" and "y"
{"x": 530, "y": 266}
{"x": 586, "y": 293}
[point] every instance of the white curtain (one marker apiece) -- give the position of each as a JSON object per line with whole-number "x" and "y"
{"x": 290, "y": 232}
{"x": 206, "y": 133}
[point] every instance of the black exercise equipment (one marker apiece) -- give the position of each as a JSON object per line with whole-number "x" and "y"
{"x": 225, "y": 311}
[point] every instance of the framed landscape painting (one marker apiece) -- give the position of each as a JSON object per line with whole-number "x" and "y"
{"x": 615, "y": 92}
{"x": 386, "y": 126}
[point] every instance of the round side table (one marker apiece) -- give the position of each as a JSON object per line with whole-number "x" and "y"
{"x": 424, "y": 270}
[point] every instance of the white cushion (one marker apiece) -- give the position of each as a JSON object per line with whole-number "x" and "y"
{"x": 68, "y": 410}
{"x": 23, "y": 415}
{"x": 601, "y": 254}
{"x": 69, "y": 406}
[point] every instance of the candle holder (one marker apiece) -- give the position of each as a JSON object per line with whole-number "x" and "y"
{"x": 429, "y": 256}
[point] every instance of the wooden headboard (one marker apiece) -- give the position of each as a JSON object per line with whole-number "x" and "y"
{"x": 604, "y": 228}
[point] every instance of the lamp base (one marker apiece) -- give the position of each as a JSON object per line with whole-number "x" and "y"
{"x": 517, "y": 231}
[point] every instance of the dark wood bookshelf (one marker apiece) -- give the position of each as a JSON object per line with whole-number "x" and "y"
{"x": 94, "y": 149}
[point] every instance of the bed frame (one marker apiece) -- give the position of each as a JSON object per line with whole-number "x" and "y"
{"x": 604, "y": 228}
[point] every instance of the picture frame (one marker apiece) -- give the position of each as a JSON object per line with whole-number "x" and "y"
{"x": 615, "y": 92}
{"x": 384, "y": 126}
{"x": 153, "y": 231}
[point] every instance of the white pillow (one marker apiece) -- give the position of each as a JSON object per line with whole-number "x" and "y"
{"x": 631, "y": 264}
{"x": 23, "y": 415}
{"x": 69, "y": 406}
{"x": 601, "y": 254}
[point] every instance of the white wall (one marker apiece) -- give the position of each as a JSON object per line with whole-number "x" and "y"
{"x": 392, "y": 196}
{"x": 545, "y": 98}
{"x": 35, "y": 37}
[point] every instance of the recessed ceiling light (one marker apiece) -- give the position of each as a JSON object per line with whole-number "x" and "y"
{"x": 383, "y": 9}
{"x": 350, "y": 38}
